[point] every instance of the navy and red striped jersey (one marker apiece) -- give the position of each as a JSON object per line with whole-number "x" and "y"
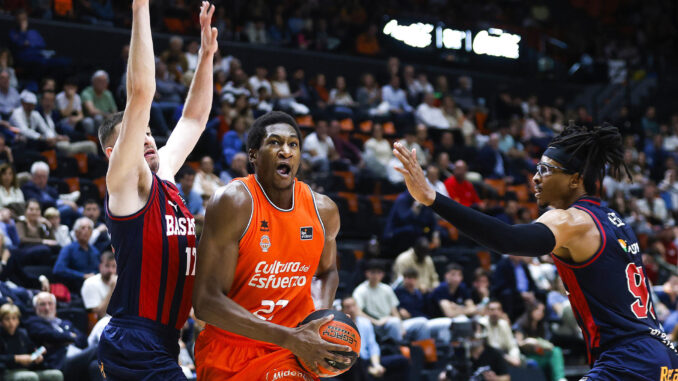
{"x": 609, "y": 292}
{"x": 155, "y": 253}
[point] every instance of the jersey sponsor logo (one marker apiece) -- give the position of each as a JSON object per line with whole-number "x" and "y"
{"x": 306, "y": 233}
{"x": 279, "y": 275}
{"x": 633, "y": 248}
{"x": 615, "y": 220}
{"x": 287, "y": 374}
{"x": 173, "y": 205}
{"x": 664, "y": 338}
{"x": 180, "y": 225}
{"x": 265, "y": 243}
{"x": 264, "y": 226}
{"x": 668, "y": 374}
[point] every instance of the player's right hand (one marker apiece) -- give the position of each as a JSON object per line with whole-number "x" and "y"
{"x": 312, "y": 349}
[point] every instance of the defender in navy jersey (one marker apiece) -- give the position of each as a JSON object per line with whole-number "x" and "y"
{"x": 596, "y": 253}
{"x": 152, "y": 231}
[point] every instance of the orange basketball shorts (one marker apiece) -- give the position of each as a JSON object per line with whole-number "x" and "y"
{"x": 219, "y": 356}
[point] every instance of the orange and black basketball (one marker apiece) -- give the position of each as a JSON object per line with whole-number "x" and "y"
{"x": 341, "y": 330}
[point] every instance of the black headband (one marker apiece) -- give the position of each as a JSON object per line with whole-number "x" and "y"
{"x": 567, "y": 160}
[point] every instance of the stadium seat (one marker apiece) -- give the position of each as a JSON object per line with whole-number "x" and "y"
{"x": 81, "y": 158}
{"x": 73, "y": 183}
{"x": 347, "y": 125}
{"x": 366, "y": 126}
{"x": 347, "y": 178}
{"x": 521, "y": 191}
{"x": 51, "y": 157}
{"x": 100, "y": 182}
{"x": 498, "y": 185}
{"x": 305, "y": 121}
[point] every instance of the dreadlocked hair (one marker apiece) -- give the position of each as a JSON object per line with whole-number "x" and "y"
{"x": 596, "y": 147}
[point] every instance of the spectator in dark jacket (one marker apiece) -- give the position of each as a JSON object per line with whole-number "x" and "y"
{"x": 79, "y": 260}
{"x": 57, "y": 336}
{"x": 16, "y": 349}
{"x": 39, "y": 189}
{"x": 513, "y": 285}
{"x": 407, "y": 221}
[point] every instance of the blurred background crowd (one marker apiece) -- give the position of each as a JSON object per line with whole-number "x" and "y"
{"x": 429, "y": 303}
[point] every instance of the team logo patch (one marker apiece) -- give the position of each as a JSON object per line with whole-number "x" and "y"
{"x": 306, "y": 233}
{"x": 265, "y": 243}
{"x": 264, "y": 226}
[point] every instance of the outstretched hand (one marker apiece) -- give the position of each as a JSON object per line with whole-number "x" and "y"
{"x": 208, "y": 34}
{"x": 414, "y": 176}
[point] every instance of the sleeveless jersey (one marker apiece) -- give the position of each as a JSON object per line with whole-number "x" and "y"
{"x": 278, "y": 255}
{"x": 155, "y": 253}
{"x": 609, "y": 292}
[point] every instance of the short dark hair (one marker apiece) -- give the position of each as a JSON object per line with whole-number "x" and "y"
{"x": 71, "y": 81}
{"x": 107, "y": 256}
{"x": 107, "y": 128}
{"x": 374, "y": 264}
{"x": 410, "y": 272}
{"x": 185, "y": 170}
{"x": 258, "y": 130}
{"x": 90, "y": 201}
{"x": 453, "y": 266}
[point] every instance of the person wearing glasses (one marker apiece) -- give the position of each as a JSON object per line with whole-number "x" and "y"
{"x": 596, "y": 253}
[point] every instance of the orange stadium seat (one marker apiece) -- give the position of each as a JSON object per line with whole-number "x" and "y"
{"x": 498, "y": 184}
{"x": 347, "y": 125}
{"x": 82, "y": 162}
{"x": 521, "y": 191}
{"x": 73, "y": 183}
{"x": 50, "y": 156}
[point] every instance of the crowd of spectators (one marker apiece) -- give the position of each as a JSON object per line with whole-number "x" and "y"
{"x": 413, "y": 277}
{"x": 564, "y": 32}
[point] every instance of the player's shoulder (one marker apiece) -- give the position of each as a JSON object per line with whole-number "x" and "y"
{"x": 324, "y": 203}
{"x": 233, "y": 196}
{"x": 571, "y": 218}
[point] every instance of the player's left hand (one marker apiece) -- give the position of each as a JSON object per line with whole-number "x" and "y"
{"x": 414, "y": 175}
{"x": 208, "y": 34}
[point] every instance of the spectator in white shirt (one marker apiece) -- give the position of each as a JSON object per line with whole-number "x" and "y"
{"x": 433, "y": 177}
{"x": 64, "y": 144}
{"x": 10, "y": 193}
{"x": 97, "y": 290}
{"x": 319, "y": 148}
{"x": 61, "y": 232}
{"x": 281, "y": 92}
{"x": 430, "y": 114}
{"x": 259, "y": 80}
{"x": 69, "y": 104}
{"x": 192, "y": 55}
{"x": 378, "y": 152}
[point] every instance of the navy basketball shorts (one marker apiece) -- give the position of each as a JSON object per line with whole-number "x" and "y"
{"x": 643, "y": 358}
{"x": 133, "y": 348}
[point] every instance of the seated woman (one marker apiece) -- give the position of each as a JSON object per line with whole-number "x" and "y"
{"x": 533, "y": 337}
{"x": 10, "y": 193}
{"x": 17, "y": 353}
{"x": 37, "y": 243}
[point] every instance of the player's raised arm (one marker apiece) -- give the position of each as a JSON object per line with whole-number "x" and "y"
{"x": 198, "y": 102}
{"x": 127, "y": 167}
{"x": 226, "y": 219}
{"x": 327, "y": 268}
{"x": 525, "y": 239}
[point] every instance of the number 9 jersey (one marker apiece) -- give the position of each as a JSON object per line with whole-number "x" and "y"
{"x": 609, "y": 292}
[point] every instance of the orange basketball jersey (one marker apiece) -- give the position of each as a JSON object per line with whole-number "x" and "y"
{"x": 279, "y": 254}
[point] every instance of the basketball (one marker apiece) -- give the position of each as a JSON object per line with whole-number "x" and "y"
{"x": 341, "y": 330}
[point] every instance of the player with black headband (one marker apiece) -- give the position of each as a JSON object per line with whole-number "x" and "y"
{"x": 596, "y": 253}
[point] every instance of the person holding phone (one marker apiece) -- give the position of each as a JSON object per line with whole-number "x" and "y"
{"x": 16, "y": 348}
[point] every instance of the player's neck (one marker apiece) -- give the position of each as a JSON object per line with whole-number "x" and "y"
{"x": 571, "y": 199}
{"x": 281, "y": 198}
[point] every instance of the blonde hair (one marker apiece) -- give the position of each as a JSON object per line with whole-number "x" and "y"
{"x": 51, "y": 212}
{"x": 9, "y": 309}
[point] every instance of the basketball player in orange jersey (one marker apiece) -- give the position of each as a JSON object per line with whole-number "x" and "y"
{"x": 266, "y": 237}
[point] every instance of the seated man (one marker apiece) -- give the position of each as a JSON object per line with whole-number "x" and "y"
{"x": 16, "y": 348}
{"x": 379, "y": 304}
{"x": 62, "y": 340}
{"x": 389, "y": 367}
{"x": 78, "y": 260}
{"x": 38, "y": 188}
{"x": 97, "y": 290}
{"x": 485, "y": 360}
{"x": 452, "y": 298}
{"x": 185, "y": 180}
{"x": 499, "y": 334}
{"x": 100, "y": 238}
{"x": 417, "y": 257}
{"x": 413, "y": 305}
